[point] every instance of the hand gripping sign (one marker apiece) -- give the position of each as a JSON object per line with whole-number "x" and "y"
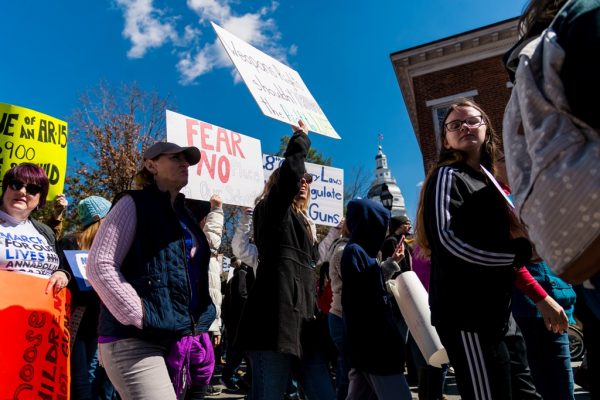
{"x": 230, "y": 163}
{"x": 277, "y": 89}
{"x": 30, "y": 136}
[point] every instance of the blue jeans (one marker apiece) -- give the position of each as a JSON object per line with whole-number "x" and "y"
{"x": 338, "y": 336}
{"x": 271, "y": 371}
{"x": 549, "y": 359}
{"x": 88, "y": 378}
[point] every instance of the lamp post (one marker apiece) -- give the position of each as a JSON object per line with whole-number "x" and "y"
{"x": 387, "y": 199}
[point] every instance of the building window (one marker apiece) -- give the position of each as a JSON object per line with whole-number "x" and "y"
{"x": 440, "y": 106}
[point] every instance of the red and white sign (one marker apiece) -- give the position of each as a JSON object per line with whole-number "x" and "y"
{"x": 230, "y": 163}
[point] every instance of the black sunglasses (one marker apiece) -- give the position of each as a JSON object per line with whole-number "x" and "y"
{"x": 307, "y": 177}
{"x": 30, "y": 188}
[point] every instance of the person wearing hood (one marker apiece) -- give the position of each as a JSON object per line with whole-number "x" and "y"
{"x": 377, "y": 367}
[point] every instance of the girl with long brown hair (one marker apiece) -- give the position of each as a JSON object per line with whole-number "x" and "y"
{"x": 465, "y": 226}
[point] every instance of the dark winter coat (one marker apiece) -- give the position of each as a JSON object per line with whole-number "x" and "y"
{"x": 375, "y": 345}
{"x": 282, "y": 299}
{"x": 473, "y": 257}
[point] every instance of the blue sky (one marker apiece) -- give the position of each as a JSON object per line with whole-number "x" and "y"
{"x": 54, "y": 50}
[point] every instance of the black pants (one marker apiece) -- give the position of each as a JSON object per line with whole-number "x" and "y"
{"x": 489, "y": 365}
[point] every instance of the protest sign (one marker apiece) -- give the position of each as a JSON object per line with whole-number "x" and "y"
{"x": 230, "y": 164}
{"x": 30, "y": 136}
{"x": 34, "y": 361}
{"x": 326, "y": 190}
{"x": 77, "y": 260}
{"x": 278, "y": 90}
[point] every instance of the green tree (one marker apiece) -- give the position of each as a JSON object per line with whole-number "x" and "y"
{"x": 314, "y": 156}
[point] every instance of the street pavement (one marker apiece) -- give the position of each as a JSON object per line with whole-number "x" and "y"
{"x": 451, "y": 391}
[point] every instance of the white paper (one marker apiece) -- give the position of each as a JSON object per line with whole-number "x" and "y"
{"x": 326, "y": 190}
{"x": 278, "y": 90}
{"x": 412, "y": 298}
{"x": 230, "y": 164}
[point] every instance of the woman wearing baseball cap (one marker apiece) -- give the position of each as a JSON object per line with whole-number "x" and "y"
{"x": 149, "y": 265}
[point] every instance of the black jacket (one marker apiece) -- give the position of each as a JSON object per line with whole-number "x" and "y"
{"x": 234, "y": 298}
{"x": 88, "y": 326}
{"x": 388, "y": 248}
{"x": 473, "y": 259}
{"x": 375, "y": 345}
{"x": 283, "y": 296}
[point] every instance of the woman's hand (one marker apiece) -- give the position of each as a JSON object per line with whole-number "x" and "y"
{"x": 58, "y": 281}
{"x": 300, "y": 127}
{"x": 553, "y": 314}
{"x": 215, "y": 201}
{"x": 59, "y": 206}
{"x": 398, "y": 254}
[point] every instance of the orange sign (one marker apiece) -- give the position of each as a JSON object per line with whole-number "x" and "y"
{"x": 34, "y": 339}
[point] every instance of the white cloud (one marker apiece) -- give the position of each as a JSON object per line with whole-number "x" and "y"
{"x": 210, "y": 10}
{"x": 191, "y": 66}
{"x": 147, "y": 27}
{"x": 293, "y": 50}
{"x": 144, "y": 28}
{"x": 255, "y": 28}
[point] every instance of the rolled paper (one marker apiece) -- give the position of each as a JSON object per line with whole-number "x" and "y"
{"x": 412, "y": 298}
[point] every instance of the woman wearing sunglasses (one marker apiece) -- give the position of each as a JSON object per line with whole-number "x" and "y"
{"x": 28, "y": 246}
{"x": 274, "y": 327}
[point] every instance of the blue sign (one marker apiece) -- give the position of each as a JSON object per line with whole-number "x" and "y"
{"x": 77, "y": 260}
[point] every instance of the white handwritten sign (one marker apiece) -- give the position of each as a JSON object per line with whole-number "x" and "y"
{"x": 326, "y": 190}
{"x": 277, "y": 89}
{"x": 230, "y": 163}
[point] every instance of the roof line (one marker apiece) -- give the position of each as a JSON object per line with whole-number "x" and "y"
{"x": 453, "y": 36}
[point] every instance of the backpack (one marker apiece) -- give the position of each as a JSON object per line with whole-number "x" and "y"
{"x": 553, "y": 163}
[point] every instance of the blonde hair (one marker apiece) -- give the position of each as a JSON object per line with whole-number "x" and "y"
{"x": 451, "y": 156}
{"x": 143, "y": 178}
{"x": 299, "y": 205}
{"x": 86, "y": 237}
{"x": 270, "y": 182}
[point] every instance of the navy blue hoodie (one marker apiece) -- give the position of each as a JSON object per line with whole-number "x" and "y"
{"x": 375, "y": 345}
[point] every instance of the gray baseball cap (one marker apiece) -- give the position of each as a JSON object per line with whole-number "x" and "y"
{"x": 192, "y": 154}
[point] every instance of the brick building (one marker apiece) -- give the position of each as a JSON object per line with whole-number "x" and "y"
{"x": 467, "y": 65}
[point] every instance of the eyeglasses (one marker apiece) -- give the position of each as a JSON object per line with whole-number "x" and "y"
{"x": 30, "y": 188}
{"x": 472, "y": 122}
{"x": 307, "y": 177}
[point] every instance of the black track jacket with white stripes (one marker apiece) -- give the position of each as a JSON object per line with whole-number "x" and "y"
{"x": 473, "y": 259}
